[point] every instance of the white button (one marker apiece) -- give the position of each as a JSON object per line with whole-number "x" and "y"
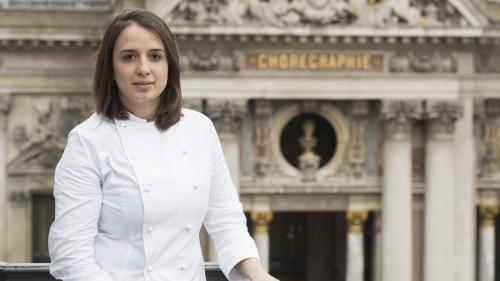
{"x": 150, "y": 268}
{"x": 189, "y": 227}
{"x": 183, "y": 266}
{"x": 147, "y": 189}
{"x": 184, "y": 151}
{"x": 195, "y": 187}
{"x": 149, "y": 229}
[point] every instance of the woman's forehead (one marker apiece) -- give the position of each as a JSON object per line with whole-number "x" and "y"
{"x": 136, "y": 37}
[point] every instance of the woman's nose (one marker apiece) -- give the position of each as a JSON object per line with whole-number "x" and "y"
{"x": 143, "y": 68}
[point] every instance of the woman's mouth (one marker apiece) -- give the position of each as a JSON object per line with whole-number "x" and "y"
{"x": 143, "y": 85}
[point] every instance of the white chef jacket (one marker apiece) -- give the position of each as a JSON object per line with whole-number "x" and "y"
{"x": 130, "y": 201}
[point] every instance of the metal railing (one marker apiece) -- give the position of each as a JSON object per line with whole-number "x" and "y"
{"x": 40, "y": 272}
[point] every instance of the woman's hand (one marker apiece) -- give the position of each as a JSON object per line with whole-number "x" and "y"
{"x": 252, "y": 269}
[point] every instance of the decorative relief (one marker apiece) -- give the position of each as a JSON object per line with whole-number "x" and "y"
{"x": 488, "y": 63}
{"x": 210, "y": 61}
{"x": 441, "y": 117}
{"x": 398, "y": 117}
{"x": 263, "y": 110}
{"x": 490, "y": 138}
{"x": 423, "y": 62}
{"x": 308, "y": 160}
{"x": 20, "y": 196}
{"x": 357, "y": 144}
{"x": 226, "y": 115}
{"x": 41, "y": 149}
{"x": 283, "y": 13}
{"x": 5, "y": 105}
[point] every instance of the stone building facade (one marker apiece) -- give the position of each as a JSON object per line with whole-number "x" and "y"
{"x": 363, "y": 135}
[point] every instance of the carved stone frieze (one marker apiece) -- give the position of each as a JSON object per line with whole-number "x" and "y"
{"x": 41, "y": 148}
{"x": 210, "y": 61}
{"x": 441, "y": 117}
{"x": 356, "y": 148}
{"x": 19, "y": 196}
{"x": 398, "y": 117}
{"x": 488, "y": 63}
{"x": 263, "y": 110}
{"x": 490, "y": 153}
{"x": 284, "y": 13}
{"x": 226, "y": 115}
{"x": 423, "y": 62}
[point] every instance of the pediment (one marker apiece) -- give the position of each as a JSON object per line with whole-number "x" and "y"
{"x": 321, "y": 13}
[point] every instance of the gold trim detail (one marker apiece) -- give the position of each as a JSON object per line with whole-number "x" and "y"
{"x": 355, "y": 220}
{"x": 488, "y": 215}
{"x": 261, "y": 221}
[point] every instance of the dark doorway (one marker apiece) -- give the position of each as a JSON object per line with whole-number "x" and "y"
{"x": 308, "y": 246}
{"x": 42, "y": 218}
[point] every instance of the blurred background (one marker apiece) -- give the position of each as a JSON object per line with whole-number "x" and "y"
{"x": 362, "y": 135}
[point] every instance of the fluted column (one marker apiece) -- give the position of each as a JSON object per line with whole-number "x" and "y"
{"x": 487, "y": 243}
{"x": 439, "y": 194}
{"x": 355, "y": 245}
{"x": 397, "y": 191}
{"x": 227, "y": 116}
{"x": 4, "y": 110}
{"x": 261, "y": 222}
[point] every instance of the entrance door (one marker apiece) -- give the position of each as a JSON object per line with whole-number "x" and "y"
{"x": 308, "y": 246}
{"x": 43, "y": 216}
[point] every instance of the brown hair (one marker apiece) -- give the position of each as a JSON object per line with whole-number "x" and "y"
{"x": 105, "y": 89}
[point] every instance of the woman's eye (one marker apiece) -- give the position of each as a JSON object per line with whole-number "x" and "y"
{"x": 127, "y": 57}
{"x": 155, "y": 57}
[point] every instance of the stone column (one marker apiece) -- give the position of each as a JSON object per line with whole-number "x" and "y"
{"x": 465, "y": 195}
{"x": 487, "y": 242}
{"x": 261, "y": 222}
{"x": 355, "y": 245}
{"x": 397, "y": 191}
{"x": 439, "y": 256}
{"x": 4, "y": 110}
{"x": 227, "y": 116}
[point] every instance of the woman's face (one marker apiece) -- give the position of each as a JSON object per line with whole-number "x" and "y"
{"x": 140, "y": 68}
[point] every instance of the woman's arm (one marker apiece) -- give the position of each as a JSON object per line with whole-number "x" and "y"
{"x": 78, "y": 198}
{"x": 253, "y": 270}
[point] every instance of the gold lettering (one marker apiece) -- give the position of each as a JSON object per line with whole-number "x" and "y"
{"x": 262, "y": 61}
{"x": 303, "y": 61}
{"x": 313, "y": 61}
{"x": 332, "y": 62}
{"x": 366, "y": 63}
{"x": 341, "y": 61}
{"x": 293, "y": 62}
{"x": 323, "y": 61}
{"x": 359, "y": 62}
{"x": 283, "y": 61}
{"x": 350, "y": 62}
{"x": 273, "y": 61}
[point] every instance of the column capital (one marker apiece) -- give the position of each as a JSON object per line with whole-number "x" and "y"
{"x": 226, "y": 114}
{"x": 261, "y": 221}
{"x": 441, "y": 117}
{"x": 355, "y": 220}
{"x": 488, "y": 214}
{"x": 398, "y": 116}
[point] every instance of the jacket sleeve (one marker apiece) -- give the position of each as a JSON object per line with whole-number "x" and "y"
{"x": 224, "y": 220}
{"x": 78, "y": 199}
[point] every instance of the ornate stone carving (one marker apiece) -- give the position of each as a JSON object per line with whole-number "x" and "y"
{"x": 284, "y": 13}
{"x": 261, "y": 221}
{"x": 210, "y": 61}
{"x": 490, "y": 138}
{"x": 441, "y": 117}
{"x": 41, "y": 149}
{"x": 356, "y": 219}
{"x": 226, "y": 115}
{"x": 398, "y": 117}
{"x": 357, "y": 143}
{"x": 488, "y": 63}
{"x": 20, "y": 196}
{"x": 263, "y": 110}
{"x": 488, "y": 215}
{"x": 423, "y": 62}
{"x": 5, "y": 104}
{"x": 308, "y": 160}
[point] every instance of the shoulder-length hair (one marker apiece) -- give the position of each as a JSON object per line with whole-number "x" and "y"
{"x": 106, "y": 91}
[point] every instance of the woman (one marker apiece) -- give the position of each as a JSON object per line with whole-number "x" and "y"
{"x": 141, "y": 175}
